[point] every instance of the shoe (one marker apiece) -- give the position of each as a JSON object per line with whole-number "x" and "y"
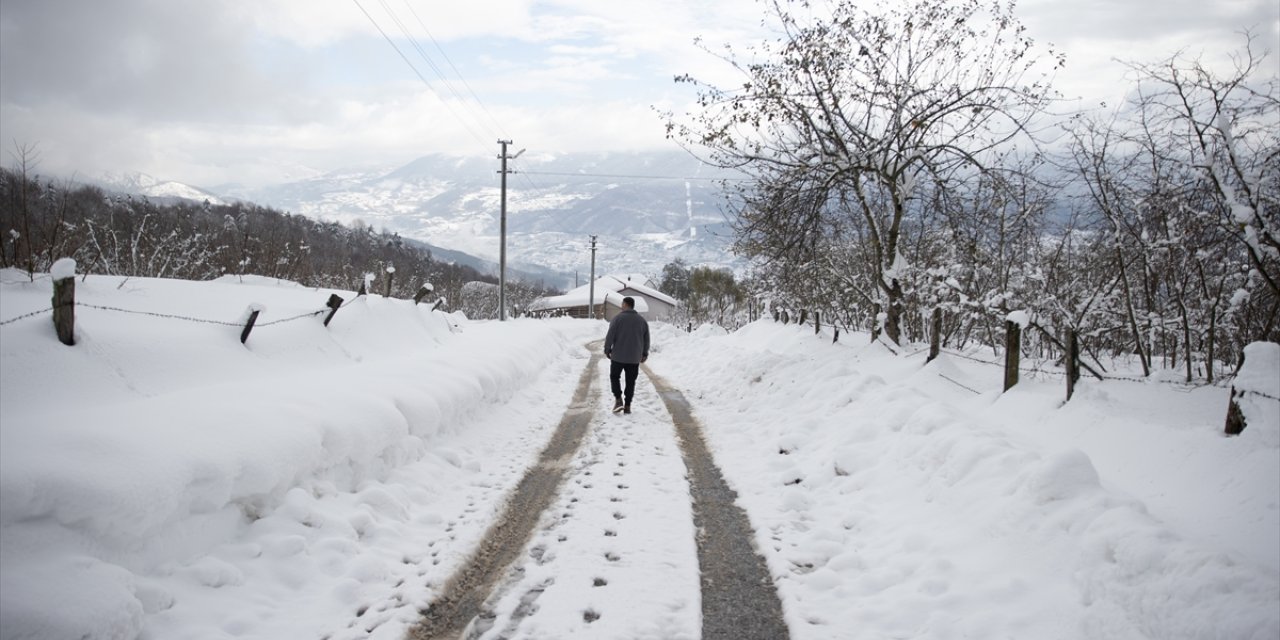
{"x": 626, "y": 408}
{"x": 617, "y": 404}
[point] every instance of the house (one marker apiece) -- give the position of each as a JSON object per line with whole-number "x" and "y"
{"x": 609, "y": 292}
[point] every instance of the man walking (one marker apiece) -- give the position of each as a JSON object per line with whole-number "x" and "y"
{"x": 626, "y": 345}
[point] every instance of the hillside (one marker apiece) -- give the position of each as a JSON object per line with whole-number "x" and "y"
{"x": 644, "y": 218}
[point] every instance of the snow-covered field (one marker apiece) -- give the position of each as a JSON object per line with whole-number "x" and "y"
{"x": 893, "y": 503}
{"x": 161, "y": 480}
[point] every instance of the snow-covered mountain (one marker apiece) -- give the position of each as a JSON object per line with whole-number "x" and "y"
{"x": 646, "y": 208}
{"x": 147, "y": 185}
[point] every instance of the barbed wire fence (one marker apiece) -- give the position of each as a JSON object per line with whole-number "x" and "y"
{"x": 335, "y": 303}
{"x": 784, "y": 315}
{"x": 170, "y": 316}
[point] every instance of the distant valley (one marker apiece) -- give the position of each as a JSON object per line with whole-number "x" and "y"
{"x": 642, "y": 220}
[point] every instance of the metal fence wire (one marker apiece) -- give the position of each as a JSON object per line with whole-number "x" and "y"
{"x": 1034, "y": 370}
{"x": 174, "y": 316}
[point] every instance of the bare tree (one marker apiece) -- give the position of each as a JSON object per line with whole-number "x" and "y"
{"x": 841, "y": 121}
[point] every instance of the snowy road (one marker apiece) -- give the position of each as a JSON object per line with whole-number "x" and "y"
{"x": 614, "y": 555}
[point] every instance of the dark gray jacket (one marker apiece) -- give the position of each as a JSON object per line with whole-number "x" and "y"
{"x": 628, "y": 338}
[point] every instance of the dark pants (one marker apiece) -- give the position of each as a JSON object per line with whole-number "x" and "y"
{"x": 632, "y": 370}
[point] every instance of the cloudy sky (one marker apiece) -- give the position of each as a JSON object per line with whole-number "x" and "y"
{"x": 260, "y": 91}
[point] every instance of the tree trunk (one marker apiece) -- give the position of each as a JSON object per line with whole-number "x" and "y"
{"x": 1209, "y": 354}
{"x": 1133, "y": 318}
{"x": 935, "y": 334}
{"x": 893, "y": 315}
{"x": 875, "y": 322}
{"x": 1073, "y": 362}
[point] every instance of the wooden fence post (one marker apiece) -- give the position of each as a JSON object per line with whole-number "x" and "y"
{"x": 64, "y": 300}
{"x": 391, "y": 272}
{"x": 1012, "y": 352}
{"x": 1073, "y": 361}
{"x": 254, "y": 310}
{"x": 804, "y": 316}
{"x": 423, "y": 291}
{"x": 439, "y": 303}
{"x": 1235, "y": 416}
{"x": 935, "y": 334}
{"x": 334, "y": 303}
{"x": 836, "y": 338}
{"x": 817, "y": 323}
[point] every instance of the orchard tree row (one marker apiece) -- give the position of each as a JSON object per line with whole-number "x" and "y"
{"x": 707, "y": 294}
{"x": 124, "y": 235}
{"x": 914, "y": 156}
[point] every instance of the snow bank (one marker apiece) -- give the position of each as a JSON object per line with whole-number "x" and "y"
{"x": 126, "y": 460}
{"x": 910, "y": 500}
{"x": 1258, "y": 384}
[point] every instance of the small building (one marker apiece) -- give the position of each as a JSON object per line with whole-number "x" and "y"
{"x": 609, "y": 292}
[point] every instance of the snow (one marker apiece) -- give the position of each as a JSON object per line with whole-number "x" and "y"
{"x": 1258, "y": 388}
{"x": 1020, "y": 318}
{"x": 891, "y": 501}
{"x": 326, "y": 481}
{"x": 1261, "y": 370}
{"x": 63, "y": 268}
{"x": 190, "y": 486}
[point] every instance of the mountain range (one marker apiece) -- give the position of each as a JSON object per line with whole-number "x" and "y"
{"x": 645, "y": 209}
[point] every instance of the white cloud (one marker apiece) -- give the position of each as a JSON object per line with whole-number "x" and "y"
{"x": 250, "y": 91}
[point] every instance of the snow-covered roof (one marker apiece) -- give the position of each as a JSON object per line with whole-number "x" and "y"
{"x": 641, "y": 284}
{"x": 607, "y": 288}
{"x": 578, "y": 298}
{"x": 618, "y": 283}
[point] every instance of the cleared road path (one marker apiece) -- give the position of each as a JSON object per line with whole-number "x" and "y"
{"x": 616, "y": 532}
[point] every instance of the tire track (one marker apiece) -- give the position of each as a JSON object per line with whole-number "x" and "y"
{"x": 464, "y": 594}
{"x": 739, "y": 600}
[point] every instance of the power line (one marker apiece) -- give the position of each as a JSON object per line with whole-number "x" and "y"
{"x": 478, "y": 101}
{"x": 623, "y": 175}
{"x": 427, "y": 58}
{"x": 418, "y": 73}
{"x": 527, "y": 181}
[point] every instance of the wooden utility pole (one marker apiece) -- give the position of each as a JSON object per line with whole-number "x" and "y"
{"x": 591, "y": 303}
